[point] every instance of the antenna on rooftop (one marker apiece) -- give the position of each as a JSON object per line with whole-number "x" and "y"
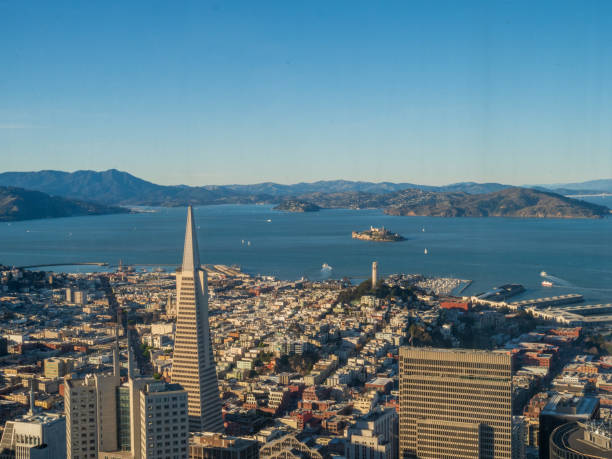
{"x": 32, "y": 401}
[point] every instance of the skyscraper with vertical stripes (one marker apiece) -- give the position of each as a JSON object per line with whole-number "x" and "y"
{"x": 455, "y": 403}
{"x": 193, "y": 364}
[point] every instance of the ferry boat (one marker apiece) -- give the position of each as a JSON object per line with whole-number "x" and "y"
{"x": 543, "y": 273}
{"x": 326, "y": 267}
{"x": 547, "y": 284}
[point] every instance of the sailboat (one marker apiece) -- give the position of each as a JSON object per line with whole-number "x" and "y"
{"x": 425, "y": 252}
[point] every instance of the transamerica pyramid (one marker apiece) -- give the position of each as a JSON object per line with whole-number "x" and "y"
{"x": 193, "y": 364}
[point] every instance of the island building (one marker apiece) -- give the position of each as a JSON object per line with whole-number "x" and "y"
{"x": 374, "y": 274}
{"x": 193, "y": 364}
{"x": 582, "y": 440}
{"x": 455, "y": 403}
{"x": 377, "y": 234}
{"x": 560, "y": 410}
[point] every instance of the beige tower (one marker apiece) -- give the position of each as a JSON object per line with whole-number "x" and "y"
{"x": 455, "y": 403}
{"x": 193, "y": 365}
{"x": 374, "y": 274}
{"x": 91, "y": 420}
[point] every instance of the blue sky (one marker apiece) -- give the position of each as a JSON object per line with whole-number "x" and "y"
{"x": 242, "y": 92}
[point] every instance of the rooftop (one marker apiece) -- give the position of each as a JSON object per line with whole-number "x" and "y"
{"x": 571, "y": 407}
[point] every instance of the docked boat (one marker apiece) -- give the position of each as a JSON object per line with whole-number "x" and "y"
{"x": 547, "y": 284}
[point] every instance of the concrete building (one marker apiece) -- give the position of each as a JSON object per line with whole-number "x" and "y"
{"x": 365, "y": 402}
{"x": 152, "y": 421}
{"x": 560, "y": 410}
{"x": 455, "y": 403}
{"x": 80, "y": 297}
{"x": 211, "y": 445}
{"x": 193, "y": 364}
{"x": 581, "y": 440}
{"x": 374, "y": 436}
{"x": 164, "y": 426}
{"x": 34, "y": 436}
{"x": 91, "y": 415}
{"x": 56, "y": 367}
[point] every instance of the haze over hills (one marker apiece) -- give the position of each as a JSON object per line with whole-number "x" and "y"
{"x": 20, "y": 204}
{"x": 602, "y": 185}
{"x": 117, "y": 187}
{"x": 113, "y": 188}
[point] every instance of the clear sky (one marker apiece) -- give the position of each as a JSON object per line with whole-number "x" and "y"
{"x": 242, "y": 92}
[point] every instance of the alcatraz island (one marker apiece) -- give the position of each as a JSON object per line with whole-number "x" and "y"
{"x": 378, "y": 234}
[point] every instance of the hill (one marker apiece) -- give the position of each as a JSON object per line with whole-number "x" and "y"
{"x": 508, "y": 202}
{"x": 297, "y": 206}
{"x": 20, "y": 204}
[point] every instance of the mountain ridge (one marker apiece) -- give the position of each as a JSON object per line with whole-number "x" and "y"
{"x": 114, "y": 187}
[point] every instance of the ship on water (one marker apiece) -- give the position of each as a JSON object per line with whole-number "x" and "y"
{"x": 547, "y": 284}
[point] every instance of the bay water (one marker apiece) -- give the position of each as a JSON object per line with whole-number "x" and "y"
{"x": 576, "y": 253}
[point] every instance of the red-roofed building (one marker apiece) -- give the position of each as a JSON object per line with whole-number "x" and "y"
{"x": 462, "y": 305}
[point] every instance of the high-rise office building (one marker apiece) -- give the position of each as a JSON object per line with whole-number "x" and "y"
{"x": 193, "y": 364}
{"x": 455, "y": 403}
{"x": 140, "y": 419}
{"x": 90, "y": 405}
{"x": 34, "y": 436}
{"x": 164, "y": 427}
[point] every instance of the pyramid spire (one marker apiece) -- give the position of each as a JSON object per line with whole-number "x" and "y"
{"x": 191, "y": 253}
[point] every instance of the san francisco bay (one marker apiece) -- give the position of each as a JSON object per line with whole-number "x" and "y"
{"x": 489, "y": 251}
